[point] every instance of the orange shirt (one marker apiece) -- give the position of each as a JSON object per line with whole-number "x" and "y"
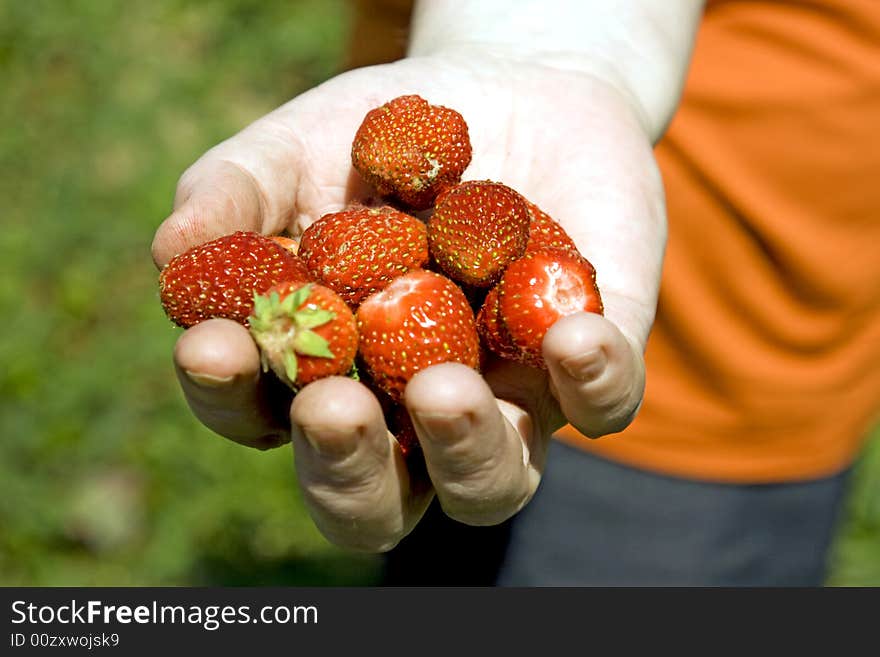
{"x": 764, "y": 362}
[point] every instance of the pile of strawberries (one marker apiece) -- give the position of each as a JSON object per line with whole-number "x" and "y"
{"x": 375, "y": 292}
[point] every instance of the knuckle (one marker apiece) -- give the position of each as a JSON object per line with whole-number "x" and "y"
{"x": 482, "y": 505}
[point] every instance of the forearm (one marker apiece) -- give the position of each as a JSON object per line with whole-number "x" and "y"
{"x": 641, "y": 47}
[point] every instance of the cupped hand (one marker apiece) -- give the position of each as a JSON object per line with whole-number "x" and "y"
{"x": 570, "y": 142}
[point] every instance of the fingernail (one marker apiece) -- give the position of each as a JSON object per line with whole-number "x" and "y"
{"x": 208, "y": 380}
{"x": 311, "y": 440}
{"x": 330, "y": 443}
{"x": 442, "y": 427}
{"x": 587, "y": 366}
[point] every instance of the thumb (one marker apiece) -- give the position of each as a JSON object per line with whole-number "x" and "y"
{"x": 252, "y": 181}
{"x": 597, "y": 375}
{"x": 213, "y": 199}
{"x": 283, "y": 171}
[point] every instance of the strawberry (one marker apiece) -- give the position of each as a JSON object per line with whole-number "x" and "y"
{"x": 492, "y": 330}
{"x": 219, "y": 278}
{"x": 477, "y": 229}
{"x": 411, "y": 150}
{"x": 538, "y": 289}
{"x": 420, "y": 319}
{"x": 396, "y": 416}
{"x": 401, "y": 425}
{"x": 545, "y": 233}
{"x": 359, "y": 250}
{"x": 304, "y": 332}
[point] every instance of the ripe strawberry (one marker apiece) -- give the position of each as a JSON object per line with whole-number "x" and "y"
{"x": 411, "y": 150}
{"x": 304, "y": 332}
{"x": 492, "y": 330}
{"x": 545, "y": 233}
{"x": 477, "y": 229}
{"x": 419, "y": 320}
{"x": 537, "y": 290}
{"x": 219, "y": 278}
{"x": 401, "y": 425}
{"x": 359, "y": 250}
{"x": 396, "y": 416}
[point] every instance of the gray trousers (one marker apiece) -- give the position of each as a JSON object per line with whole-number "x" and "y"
{"x": 598, "y": 523}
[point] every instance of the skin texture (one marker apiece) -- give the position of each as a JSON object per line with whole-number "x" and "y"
{"x": 544, "y": 129}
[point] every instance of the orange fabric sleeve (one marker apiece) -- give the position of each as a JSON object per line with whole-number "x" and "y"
{"x": 764, "y": 362}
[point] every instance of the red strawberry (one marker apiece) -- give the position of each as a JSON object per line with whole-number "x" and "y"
{"x": 477, "y": 229}
{"x": 396, "y": 416}
{"x": 401, "y": 425}
{"x": 419, "y": 320}
{"x": 219, "y": 278}
{"x": 304, "y": 332}
{"x": 537, "y": 290}
{"x": 545, "y": 233}
{"x": 492, "y": 330}
{"x": 359, "y": 250}
{"x": 411, "y": 150}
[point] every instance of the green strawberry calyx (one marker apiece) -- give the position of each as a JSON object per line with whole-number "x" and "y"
{"x": 283, "y": 329}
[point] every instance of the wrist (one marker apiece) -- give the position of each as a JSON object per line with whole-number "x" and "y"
{"x": 527, "y": 32}
{"x": 641, "y": 48}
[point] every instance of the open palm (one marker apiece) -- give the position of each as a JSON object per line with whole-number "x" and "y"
{"x": 569, "y": 142}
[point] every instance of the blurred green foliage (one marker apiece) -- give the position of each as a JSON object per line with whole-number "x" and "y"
{"x": 105, "y": 478}
{"x": 855, "y": 557}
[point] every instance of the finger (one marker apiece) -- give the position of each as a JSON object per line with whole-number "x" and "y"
{"x": 281, "y": 172}
{"x": 478, "y": 459}
{"x": 218, "y": 367}
{"x": 597, "y": 375}
{"x": 213, "y": 199}
{"x": 352, "y": 473}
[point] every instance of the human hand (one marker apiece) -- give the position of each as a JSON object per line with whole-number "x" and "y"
{"x": 572, "y": 143}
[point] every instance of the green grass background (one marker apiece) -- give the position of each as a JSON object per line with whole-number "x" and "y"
{"x": 105, "y": 478}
